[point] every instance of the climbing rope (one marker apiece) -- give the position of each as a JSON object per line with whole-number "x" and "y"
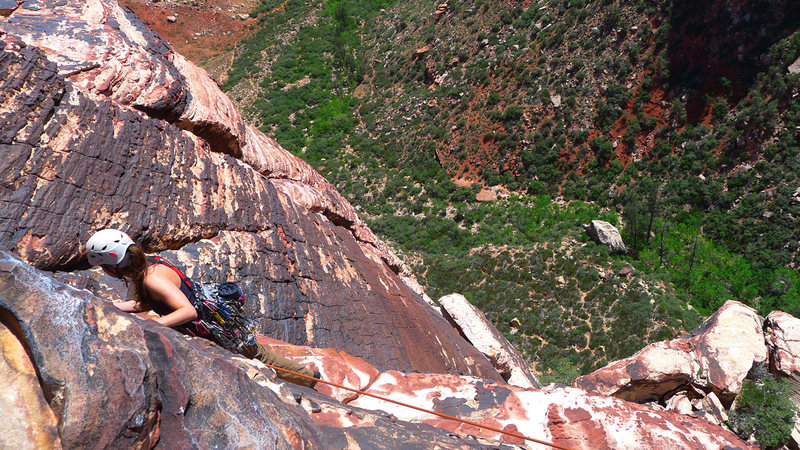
{"x": 445, "y": 416}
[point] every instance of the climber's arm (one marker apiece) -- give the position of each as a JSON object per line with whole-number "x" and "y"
{"x": 163, "y": 290}
{"x": 128, "y": 306}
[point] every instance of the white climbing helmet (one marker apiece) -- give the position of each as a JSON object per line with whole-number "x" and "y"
{"x": 108, "y": 247}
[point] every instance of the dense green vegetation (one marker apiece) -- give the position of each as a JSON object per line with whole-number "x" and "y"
{"x": 393, "y": 104}
{"x": 764, "y": 411}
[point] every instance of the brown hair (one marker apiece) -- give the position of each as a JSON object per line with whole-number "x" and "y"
{"x": 137, "y": 270}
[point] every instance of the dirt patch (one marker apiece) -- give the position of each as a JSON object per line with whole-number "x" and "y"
{"x": 204, "y": 31}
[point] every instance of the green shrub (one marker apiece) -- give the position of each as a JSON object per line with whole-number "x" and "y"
{"x": 764, "y": 411}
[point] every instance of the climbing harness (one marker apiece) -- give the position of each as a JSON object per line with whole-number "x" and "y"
{"x": 445, "y": 416}
{"x": 220, "y": 312}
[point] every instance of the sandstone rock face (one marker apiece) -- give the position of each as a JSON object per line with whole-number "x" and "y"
{"x": 116, "y": 381}
{"x": 782, "y": 334}
{"x": 27, "y": 420}
{"x": 103, "y": 125}
{"x": 606, "y": 234}
{"x": 474, "y": 325}
{"x": 696, "y": 374}
{"x": 119, "y": 381}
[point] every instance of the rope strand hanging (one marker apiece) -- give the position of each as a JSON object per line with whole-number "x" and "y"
{"x": 445, "y": 416}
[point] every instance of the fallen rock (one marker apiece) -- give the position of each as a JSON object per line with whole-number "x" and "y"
{"x": 480, "y": 332}
{"x": 172, "y": 18}
{"x": 715, "y": 357}
{"x": 711, "y": 405}
{"x": 680, "y": 403}
{"x": 604, "y": 233}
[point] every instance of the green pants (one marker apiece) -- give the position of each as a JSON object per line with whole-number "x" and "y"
{"x": 261, "y": 353}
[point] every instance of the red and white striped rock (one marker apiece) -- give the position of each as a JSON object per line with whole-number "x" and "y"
{"x": 782, "y": 333}
{"x": 565, "y": 416}
{"x": 714, "y": 357}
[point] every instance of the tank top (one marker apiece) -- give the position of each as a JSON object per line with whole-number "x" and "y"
{"x": 187, "y": 288}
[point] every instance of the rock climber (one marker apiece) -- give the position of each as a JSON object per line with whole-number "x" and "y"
{"x": 160, "y": 287}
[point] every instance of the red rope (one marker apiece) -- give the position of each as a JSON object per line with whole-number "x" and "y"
{"x": 468, "y": 422}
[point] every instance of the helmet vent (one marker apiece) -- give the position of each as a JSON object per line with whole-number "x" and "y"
{"x": 104, "y": 247}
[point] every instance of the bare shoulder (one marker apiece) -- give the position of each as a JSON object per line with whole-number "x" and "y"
{"x": 160, "y": 273}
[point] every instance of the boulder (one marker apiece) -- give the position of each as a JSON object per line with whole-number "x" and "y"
{"x": 479, "y": 331}
{"x": 604, "y": 233}
{"x": 117, "y": 130}
{"x": 679, "y": 403}
{"x": 716, "y": 357}
{"x": 782, "y": 335}
{"x": 711, "y": 405}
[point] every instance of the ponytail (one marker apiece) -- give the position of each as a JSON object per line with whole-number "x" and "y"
{"x": 138, "y": 269}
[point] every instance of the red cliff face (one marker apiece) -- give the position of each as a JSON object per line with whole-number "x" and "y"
{"x": 87, "y": 373}
{"x": 103, "y": 125}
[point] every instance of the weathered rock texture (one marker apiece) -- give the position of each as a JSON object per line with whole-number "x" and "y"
{"x": 476, "y": 328}
{"x": 715, "y": 357}
{"x": 702, "y": 372}
{"x": 606, "y": 234}
{"x": 102, "y": 124}
{"x": 782, "y": 333}
{"x": 115, "y": 381}
{"x": 27, "y": 420}
{"x": 118, "y": 381}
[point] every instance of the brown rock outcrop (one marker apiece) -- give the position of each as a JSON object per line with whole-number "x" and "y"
{"x": 119, "y": 381}
{"x": 715, "y": 357}
{"x": 102, "y": 124}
